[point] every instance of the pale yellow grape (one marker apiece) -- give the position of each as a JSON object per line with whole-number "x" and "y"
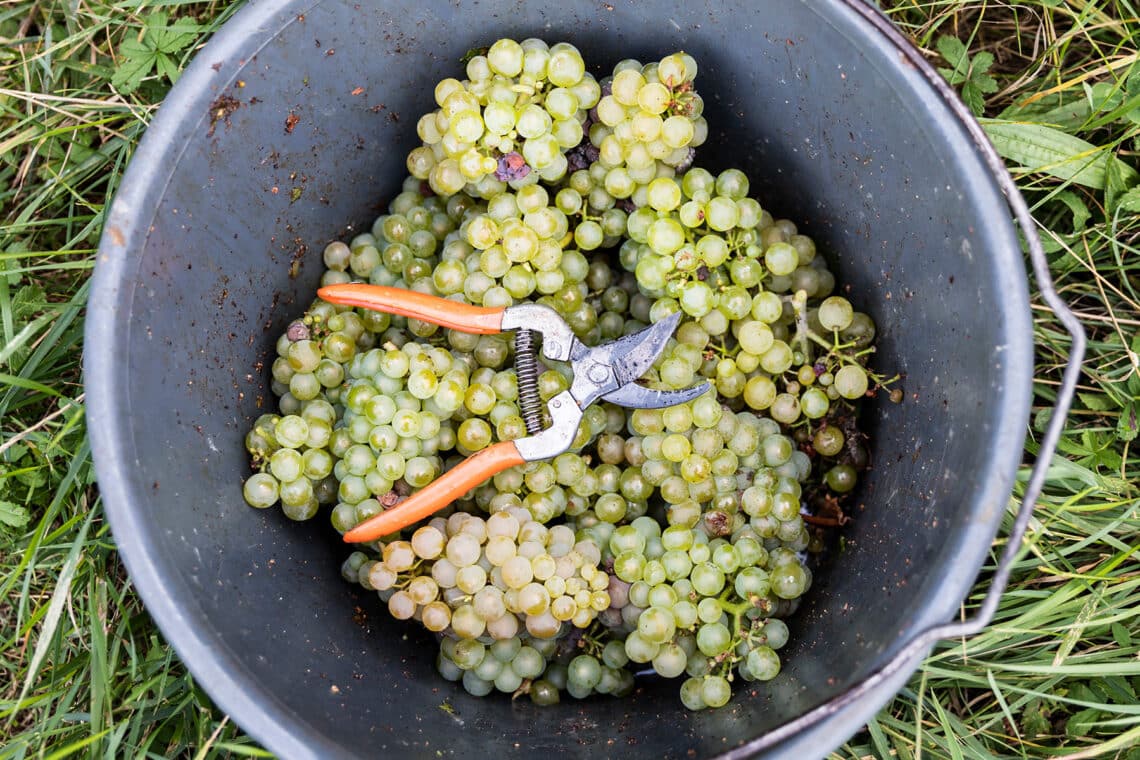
{"x": 422, "y": 589}
{"x": 499, "y": 549}
{"x": 531, "y": 549}
{"x": 610, "y": 111}
{"x": 610, "y": 152}
{"x": 664, "y": 194}
{"x": 503, "y": 628}
{"x": 470, "y": 579}
{"x": 759, "y": 392}
{"x": 532, "y": 121}
{"x": 476, "y": 528}
{"x": 428, "y": 541}
{"x": 851, "y": 381}
{"x": 446, "y": 178}
{"x": 401, "y": 606}
{"x": 427, "y": 130}
{"x": 533, "y": 531}
{"x": 567, "y": 132}
{"x": 458, "y": 102}
{"x": 533, "y": 599}
{"x": 443, "y": 572}
{"x": 399, "y": 556}
{"x": 640, "y": 164}
{"x": 544, "y": 626}
{"x": 560, "y": 534}
{"x": 466, "y": 126}
{"x": 543, "y": 566}
{"x": 563, "y": 608}
{"x": 565, "y": 67}
{"x": 436, "y": 616}
{"x": 489, "y": 603}
{"x": 381, "y": 577}
{"x": 472, "y": 164}
{"x": 503, "y": 524}
{"x": 478, "y": 69}
{"x": 626, "y": 85}
{"x": 654, "y": 98}
{"x": 445, "y": 88}
{"x": 517, "y": 572}
{"x": 466, "y": 623}
{"x": 555, "y": 585}
{"x": 462, "y": 550}
{"x": 677, "y": 132}
{"x": 505, "y": 57}
{"x": 541, "y": 151}
{"x": 672, "y": 70}
{"x": 658, "y": 149}
{"x": 420, "y": 163}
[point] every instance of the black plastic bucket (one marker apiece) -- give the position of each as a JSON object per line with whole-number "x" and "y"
{"x": 291, "y": 128}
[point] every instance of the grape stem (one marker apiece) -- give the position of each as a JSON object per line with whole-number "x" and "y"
{"x": 805, "y": 336}
{"x": 803, "y": 333}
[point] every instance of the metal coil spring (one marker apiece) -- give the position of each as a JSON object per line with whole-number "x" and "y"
{"x": 526, "y": 367}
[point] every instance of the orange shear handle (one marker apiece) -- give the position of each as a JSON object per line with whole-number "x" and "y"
{"x": 445, "y": 489}
{"x": 480, "y": 320}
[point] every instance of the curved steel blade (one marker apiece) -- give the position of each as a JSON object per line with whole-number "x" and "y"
{"x": 639, "y": 397}
{"x": 632, "y": 355}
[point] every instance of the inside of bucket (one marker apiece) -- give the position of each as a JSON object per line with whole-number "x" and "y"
{"x": 827, "y": 126}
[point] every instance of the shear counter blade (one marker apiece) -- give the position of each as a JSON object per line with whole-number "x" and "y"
{"x": 631, "y": 356}
{"x": 639, "y": 397}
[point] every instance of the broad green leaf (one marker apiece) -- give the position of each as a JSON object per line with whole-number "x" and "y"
{"x": 1081, "y": 722}
{"x": 156, "y": 21}
{"x": 1061, "y": 111}
{"x": 1126, "y": 426}
{"x": 131, "y": 72}
{"x": 13, "y": 515}
{"x": 1116, "y": 184}
{"x": 177, "y": 36}
{"x": 981, "y": 64}
{"x": 1034, "y": 719}
{"x": 140, "y": 49}
{"x": 1129, "y": 202}
{"x": 1133, "y": 383}
{"x": 33, "y": 477}
{"x": 1038, "y": 148}
{"x": 1095, "y": 402}
{"x": 954, "y": 51}
{"x": 14, "y": 452}
{"x": 973, "y": 99}
{"x": 1081, "y": 213}
{"x": 166, "y": 67}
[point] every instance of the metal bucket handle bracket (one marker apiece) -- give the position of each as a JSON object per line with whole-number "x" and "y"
{"x": 974, "y": 625}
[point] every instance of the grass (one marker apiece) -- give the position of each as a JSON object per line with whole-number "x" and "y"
{"x": 83, "y": 670}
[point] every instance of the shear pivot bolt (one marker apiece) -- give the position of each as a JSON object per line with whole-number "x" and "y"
{"x": 598, "y": 373}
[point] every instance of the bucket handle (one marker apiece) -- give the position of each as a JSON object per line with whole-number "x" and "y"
{"x": 926, "y": 638}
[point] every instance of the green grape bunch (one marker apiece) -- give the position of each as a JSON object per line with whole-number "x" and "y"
{"x": 512, "y": 120}
{"x": 676, "y": 541}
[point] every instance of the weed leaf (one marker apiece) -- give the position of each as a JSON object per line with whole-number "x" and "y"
{"x": 1126, "y": 426}
{"x": 1038, "y": 148}
{"x": 13, "y": 515}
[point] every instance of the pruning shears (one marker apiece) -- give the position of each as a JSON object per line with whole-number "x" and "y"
{"x": 608, "y": 372}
